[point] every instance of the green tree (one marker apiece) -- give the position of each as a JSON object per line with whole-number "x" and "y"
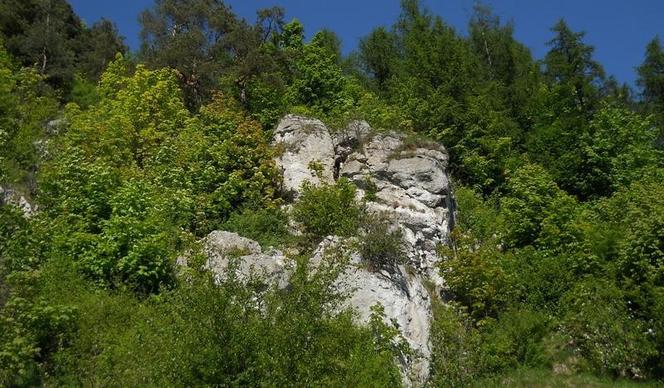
{"x": 378, "y": 53}
{"x": 329, "y": 40}
{"x": 506, "y": 61}
{"x": 25, "y": 105}
{"x": 651, "y": 82}
{"x": 99, "y": 45}
{"x": 43, "y": 34}
{"x": 532, "y": 198}
{"x": 569, "y": 63}
{"x": 598, "y": 327}
{"x": 651, "y": 74}
{"x": 318, "y": 83}
{"x": 195, "y": 37}
{"x": 620, "y": 151}
{"x": 567, "y": 106}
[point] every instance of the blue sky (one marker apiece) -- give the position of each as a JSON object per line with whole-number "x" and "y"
{"x": 618, "y": 29}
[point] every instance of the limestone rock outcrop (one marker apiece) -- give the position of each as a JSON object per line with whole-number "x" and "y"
{"x": 306, "y": 152}
{"x": 405, "y": 300}
{"x": 396, "y": 176}
{"x": 407, "y": 179}
{"x": 223, "y": 247}
{"x": 410, "y": 183}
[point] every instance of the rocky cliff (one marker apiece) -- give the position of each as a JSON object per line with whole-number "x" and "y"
{"x": 395, "y": 175}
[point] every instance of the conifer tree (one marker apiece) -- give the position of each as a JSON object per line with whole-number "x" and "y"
{"x": 651, "y": 74}
{"x": 569, "y": 63}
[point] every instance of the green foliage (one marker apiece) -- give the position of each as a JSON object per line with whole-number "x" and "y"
{"x": 620, "y": 151}
{"x": 570, "y": 300}
{"x": 532, "y": 203}
{"x": 516, "y": 338}
{"x": 24, "y": 108}
{"x": 388, "y": 340}
{"x": 31, "y": 332}
{"x": 195, "y": 40}
{"x": 569, "y": 63}
{"x": 43, "y": 34}
{"x": 318, "y": 83}
{"x": 328, "y": 210}
{"x": 529, "y": 377}
{"x": 454, "y": 339}
{"x": 598, "y": 325}
{"x": 267, "y": 226}
{"x": 84, "y": 92}
{"x": 651, "y": 77}
{"x": 477, "y": 275}
{"x": 135, "y": 172}
{"x": 382, "y": 244}
{"x": 99, "y": 44}
{"x": 51, "y": 38}
{"x": 378, "y": 54}
{"x": 208, "y": 333}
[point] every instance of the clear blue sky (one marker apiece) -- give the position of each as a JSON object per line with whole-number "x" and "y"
{"x": 618, "y": 29}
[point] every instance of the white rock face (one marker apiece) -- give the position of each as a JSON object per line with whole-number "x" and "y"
{"x": 412, "y": 186}
{"x": 224, "y": 248}
{"x": 405, "y": 299}
{"x": 411, "y": 181}
{"x": 308, "y": 152}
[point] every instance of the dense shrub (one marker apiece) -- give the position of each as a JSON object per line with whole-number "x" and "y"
{"x": 329, "y": 209}
{"x": 599, "y": 327}
{"x": 31, "y": 332}
{"x": 532, "y": 199}
{"x": 455, "y": 342}
{"x": 206, "y": 333}
{"x": 381, "y": 244}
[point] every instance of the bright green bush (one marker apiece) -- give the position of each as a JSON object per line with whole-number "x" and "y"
{"x": 531, "y": 197}
{"x": 328, "y": 209}
{"x": 268, "y": 226}
{"x": 478, "y": 275}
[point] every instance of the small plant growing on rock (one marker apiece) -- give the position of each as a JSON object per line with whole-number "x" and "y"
{"x": 316, "y": 167}
{"x": 382, "y": 245}
{"x": 411, "y": 143}
{"x": 267, "y": 226}
{"x": 370, "y": 189}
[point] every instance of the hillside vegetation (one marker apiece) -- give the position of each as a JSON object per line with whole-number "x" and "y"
{"x": 554, "y": 270}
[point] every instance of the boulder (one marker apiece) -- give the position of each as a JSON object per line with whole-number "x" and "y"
{"x": 230, "y": 250}
{"x": 306, "y": 153}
